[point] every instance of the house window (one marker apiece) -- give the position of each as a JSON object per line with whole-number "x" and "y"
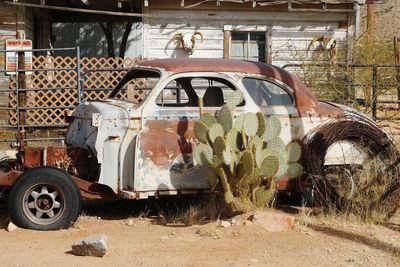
{"x": 248, "y": 46}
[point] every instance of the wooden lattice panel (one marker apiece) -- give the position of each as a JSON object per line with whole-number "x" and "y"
{"x": 96, "y": 86}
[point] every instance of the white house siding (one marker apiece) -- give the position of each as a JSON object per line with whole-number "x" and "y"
{"x": 291, "y": 32}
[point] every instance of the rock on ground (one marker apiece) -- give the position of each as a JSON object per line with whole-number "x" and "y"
{"x": 273, "y": 221}
{"x": 91, "y": 246}
{"x": 11, "y": 227}
{"x": 225, "y": 224}
{"x": 235, "y": 219}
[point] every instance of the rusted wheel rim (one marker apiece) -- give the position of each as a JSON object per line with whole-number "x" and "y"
{"x": 43, "y": 204}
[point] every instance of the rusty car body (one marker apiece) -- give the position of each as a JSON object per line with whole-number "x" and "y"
{"x": 138, "y": 149}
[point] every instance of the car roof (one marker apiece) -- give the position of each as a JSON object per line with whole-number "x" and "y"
{"x": 302, "y": 95}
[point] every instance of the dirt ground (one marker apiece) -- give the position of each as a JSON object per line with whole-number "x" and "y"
{"x": 138, "y": 238}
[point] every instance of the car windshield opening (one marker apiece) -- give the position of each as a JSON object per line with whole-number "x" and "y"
{"x": 136, "y": 85}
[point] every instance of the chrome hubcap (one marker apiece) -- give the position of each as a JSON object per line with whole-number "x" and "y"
{"x": 43, "y": 204}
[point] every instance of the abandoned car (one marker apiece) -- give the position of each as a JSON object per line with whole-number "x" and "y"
{"x": 139, "y": 142}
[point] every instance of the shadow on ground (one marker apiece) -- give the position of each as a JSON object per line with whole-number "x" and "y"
{"x": 162, "y": 210}
{"x": 368, "y": 241}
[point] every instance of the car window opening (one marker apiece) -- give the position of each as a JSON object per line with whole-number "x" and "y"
{"x": 185, "y": 92}
{"x": 266, "y": 93}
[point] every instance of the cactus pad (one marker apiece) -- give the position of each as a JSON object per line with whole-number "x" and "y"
{"x": 227, "y": 157}
{"x": 269, "y": 166}
{"x": 208, "y": 119}
{"x": 293, "y": 152}
{"x": 276, "y": 145}
{"x": 214, "y": 131}
{"x": 272, "y": 128}
{"x": 200, "y": 131}
{"x": 239, "y": 122}
{"x": 261, "y": 124}
{"x": 250, "y": 124}
{"x": 234, "y": 99}
{"x": 234, "y": 140}
{"x": 203, "y": 155}
{"x": 267, "y": 152}
{"x": 219, "y": 146}
{"x": 225, "y": 118}
{"x": 295, "y": 170}
{"x": 254, "y": 142}
{"x": 263, "y": 195}
{"x": 247, "y": 162}
{"x": 258, "y": 154}
{"x": 282, "y": 166}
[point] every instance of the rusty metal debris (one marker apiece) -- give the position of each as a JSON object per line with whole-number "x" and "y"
{"x": 381, "y": 192}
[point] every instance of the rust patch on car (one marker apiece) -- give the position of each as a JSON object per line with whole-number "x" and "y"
{"x": 163, "y": 140}
{"x": 321, "y": 109}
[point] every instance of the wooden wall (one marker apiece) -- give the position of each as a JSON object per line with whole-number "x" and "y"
{"x": 289, "y": 32}
{"x": 12, "y": 18}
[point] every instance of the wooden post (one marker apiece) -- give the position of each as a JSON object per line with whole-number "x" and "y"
{"x": 370, "y": 20}
{"x": 21, "y": 85}
{"x": 268, "y": 46}
{"x": 396, "y": 42}
{"x": 227, "y": 37}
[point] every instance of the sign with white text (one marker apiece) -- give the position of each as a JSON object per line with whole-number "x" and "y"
{"x": 12, "y": 57}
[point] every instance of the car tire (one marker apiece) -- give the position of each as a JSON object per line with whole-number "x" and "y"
{"x": 44, "y": 198}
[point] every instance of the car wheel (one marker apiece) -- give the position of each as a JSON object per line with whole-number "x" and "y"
{"x": 44, "y": 198}
{"x": 351, "y": 187}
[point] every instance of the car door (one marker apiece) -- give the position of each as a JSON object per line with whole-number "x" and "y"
{"x": 166, "y": 141}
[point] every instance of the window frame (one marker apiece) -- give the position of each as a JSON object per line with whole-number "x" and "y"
{"x": 247, "y": 42}
{"x": 228, "y": 29}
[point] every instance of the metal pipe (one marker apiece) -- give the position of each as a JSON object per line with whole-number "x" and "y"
{"x": 45, "y": 107}
{"x": 78, "y": 73}
{"x": 374, "y": 91}
{"x": 34, "y": 139}
{"x": 33, "y": 70}
{"x": 39, "y": 49}
{"x": 35, "y": 126}
{"x": 46, "y": 89}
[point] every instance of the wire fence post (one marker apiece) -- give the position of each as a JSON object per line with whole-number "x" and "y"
{"x": 374, "y": 90}
{"x": 21, "y": 95}
{"x": 397, "y": 62}
{"x": 78, "y": 74}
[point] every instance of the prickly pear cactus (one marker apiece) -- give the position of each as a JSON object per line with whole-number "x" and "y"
{"x": 245, "y": 156}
